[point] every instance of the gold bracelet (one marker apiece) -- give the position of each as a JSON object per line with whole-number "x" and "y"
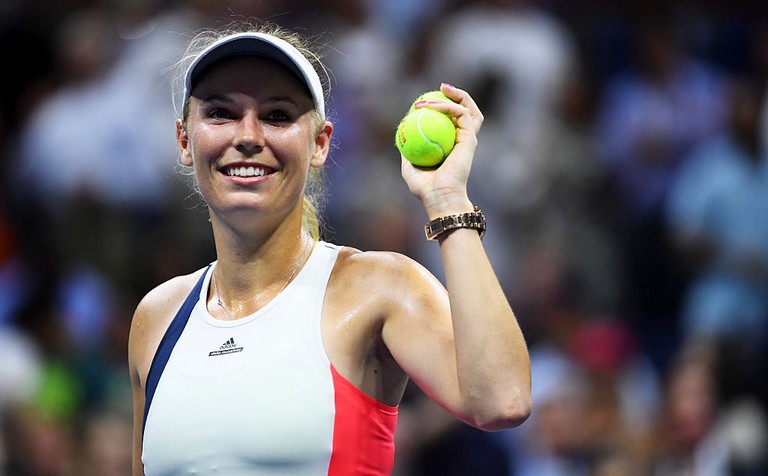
{"x": 438, "y": 226}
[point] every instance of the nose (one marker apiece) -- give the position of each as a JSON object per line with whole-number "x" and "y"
{"x": 250, "y": 135}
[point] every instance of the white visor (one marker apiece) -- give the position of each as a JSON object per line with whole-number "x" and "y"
{"x": 257, "y": 44}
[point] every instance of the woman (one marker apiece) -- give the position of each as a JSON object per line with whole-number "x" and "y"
{"x": 289, "y": 355}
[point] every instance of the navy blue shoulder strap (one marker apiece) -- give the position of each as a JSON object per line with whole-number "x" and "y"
{"x": 168, "y": 342}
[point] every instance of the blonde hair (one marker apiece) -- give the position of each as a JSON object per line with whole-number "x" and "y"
{"x": 314, "y": 191}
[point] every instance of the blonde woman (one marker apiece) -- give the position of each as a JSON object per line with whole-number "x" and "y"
{"x": 289, "y": 355}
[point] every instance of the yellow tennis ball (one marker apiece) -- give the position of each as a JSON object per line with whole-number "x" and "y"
{"x": 424, "y": 136}
{"x": 430, "y": 96}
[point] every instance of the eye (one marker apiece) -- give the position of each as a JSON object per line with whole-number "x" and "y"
{"x": 220, "y": 113}
{"x": 278, "y": 115}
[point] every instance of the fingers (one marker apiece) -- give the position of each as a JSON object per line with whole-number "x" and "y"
{"x": 463, "y": 109}
{"x": 462, "y": 97}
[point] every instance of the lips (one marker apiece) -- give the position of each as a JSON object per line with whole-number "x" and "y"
{"x": 246, "y": 171}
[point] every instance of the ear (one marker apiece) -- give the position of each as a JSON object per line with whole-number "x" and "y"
{"x": 322, "y": 145}
{"x": 182, "y": 142}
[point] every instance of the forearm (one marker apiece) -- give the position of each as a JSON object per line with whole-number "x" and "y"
{"x": 492, "y": 357}
{"x": 492, "y": 369}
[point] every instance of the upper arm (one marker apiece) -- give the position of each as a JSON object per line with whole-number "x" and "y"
{"x": 136, "y": 347}
{"x": 466, "y": 353}
{"x": 418, "y": 331}
{"x": 143, "y": 329}
{"x": 150, "y": 320}
{"x": 138, "y": 422}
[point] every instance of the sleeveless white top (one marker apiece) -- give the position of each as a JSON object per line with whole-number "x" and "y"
{"x": 258, "y": 395}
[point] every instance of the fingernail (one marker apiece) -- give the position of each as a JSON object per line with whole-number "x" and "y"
{"x": 448, "y": 85}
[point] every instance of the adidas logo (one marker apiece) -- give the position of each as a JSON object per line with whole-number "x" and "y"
{"x": 228, "y": 347}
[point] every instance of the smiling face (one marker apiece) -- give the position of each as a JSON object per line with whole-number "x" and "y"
{"x": 251, "y": 135}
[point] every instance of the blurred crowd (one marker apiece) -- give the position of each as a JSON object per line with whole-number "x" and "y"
{"x": 622, "y": 168}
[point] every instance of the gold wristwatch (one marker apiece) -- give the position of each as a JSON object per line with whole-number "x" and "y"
{"x": 438, "y": 226}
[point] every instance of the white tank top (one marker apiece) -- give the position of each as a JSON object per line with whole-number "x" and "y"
{"x": 258, "y": 395}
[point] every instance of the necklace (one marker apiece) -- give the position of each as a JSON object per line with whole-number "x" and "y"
{"x": 296, "y": 267}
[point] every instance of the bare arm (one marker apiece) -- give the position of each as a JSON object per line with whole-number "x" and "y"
{"x": 138, "y": 410}
{"x": 484, "y": 370}
{"x": 135, "y": 343}
{"x": 150, "y": 321}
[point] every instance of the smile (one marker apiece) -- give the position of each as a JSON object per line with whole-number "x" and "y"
{"x": 244, "y": 171}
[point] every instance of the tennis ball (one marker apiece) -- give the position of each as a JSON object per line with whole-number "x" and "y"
{"x": 430, "y": 96}
{"x": 424, "y": 136}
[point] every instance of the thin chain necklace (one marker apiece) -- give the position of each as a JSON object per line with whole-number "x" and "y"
{"x": 296, "y": 267}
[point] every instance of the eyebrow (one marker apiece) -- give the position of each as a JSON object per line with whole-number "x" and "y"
{"x": 216, "y": 97}
{"x": 267, "y": 100}
{"x": 273, "y": 99}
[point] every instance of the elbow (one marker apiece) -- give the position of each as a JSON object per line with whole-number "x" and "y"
{"x": 508, "y": 413}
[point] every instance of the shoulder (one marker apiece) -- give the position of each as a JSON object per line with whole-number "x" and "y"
{"x": 379, "y": 265}
{"x": 154, "y": 314}
{"x": 169, "y": 294}
{"x": 387, "y": 277}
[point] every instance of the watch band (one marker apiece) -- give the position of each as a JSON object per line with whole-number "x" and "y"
{"x": 440, "y": 225}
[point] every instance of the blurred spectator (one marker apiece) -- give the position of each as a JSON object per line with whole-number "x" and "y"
{"x": 102, "y": 178}
{"x": 524, "y": 79}
{"x": 596, "y": 395}
{"x": 107, "y": 443}
{"x": 650, "y": 117}
{"x": 625, "y": 384}
{"x": 701, "y": 434}
{"x": 718, "y": 213}
{"x": 364, "y": 169}
{"x": 575, "y": 217}
{"x": 20, "y": 368}
{"x": 58, "y": 156}
{"x": 41, "y": 446}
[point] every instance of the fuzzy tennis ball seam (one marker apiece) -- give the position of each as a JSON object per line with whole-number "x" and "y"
{"x": 426, "y": 137}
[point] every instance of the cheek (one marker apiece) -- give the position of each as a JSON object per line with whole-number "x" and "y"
{"x": 291, "y": 145}
{"x": 202, "y": 146}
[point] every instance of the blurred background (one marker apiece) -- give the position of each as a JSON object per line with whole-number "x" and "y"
{"x": 621, "y": 167}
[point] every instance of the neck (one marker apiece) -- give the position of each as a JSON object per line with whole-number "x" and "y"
{"x": 244, "y": 237}
{"x": 251, "y": 270}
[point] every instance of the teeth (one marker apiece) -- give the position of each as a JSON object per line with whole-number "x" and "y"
{"x": 249, "y": 171}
